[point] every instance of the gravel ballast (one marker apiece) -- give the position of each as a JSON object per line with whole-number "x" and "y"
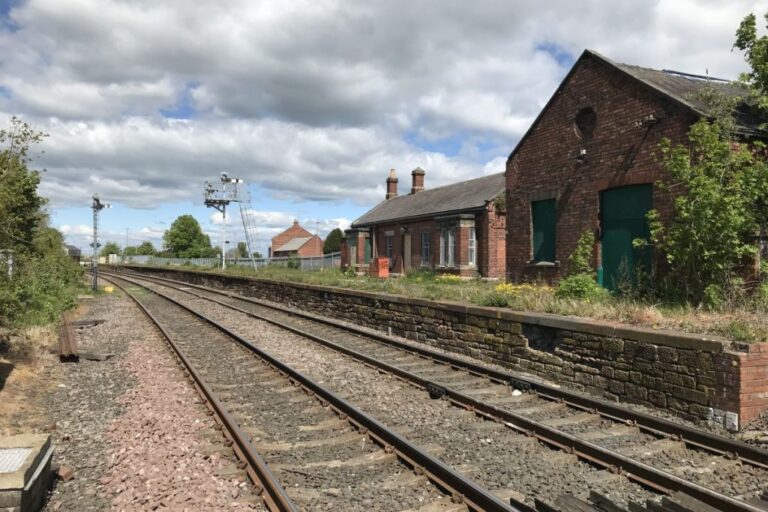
{"x": 132, "y": 427}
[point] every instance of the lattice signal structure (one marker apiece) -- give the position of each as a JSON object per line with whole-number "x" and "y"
{"x": 233, "y": 190}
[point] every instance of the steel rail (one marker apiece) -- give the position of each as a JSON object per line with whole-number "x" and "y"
{"x": 642, "y": 473}
{"x": 689, "y": 435}
{"x": 463, "y": 489}
{"x": 267, "y": 485}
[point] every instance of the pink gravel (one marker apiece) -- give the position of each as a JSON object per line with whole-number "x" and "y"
{"x": 156, "y": 457}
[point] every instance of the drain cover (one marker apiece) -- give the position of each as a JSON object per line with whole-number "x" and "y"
{"x": 11, "y": 459}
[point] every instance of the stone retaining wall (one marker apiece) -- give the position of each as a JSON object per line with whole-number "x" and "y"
{"x": 695, "y": 376}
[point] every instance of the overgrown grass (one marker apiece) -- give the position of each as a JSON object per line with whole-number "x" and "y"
{"x": 745, "y": 319}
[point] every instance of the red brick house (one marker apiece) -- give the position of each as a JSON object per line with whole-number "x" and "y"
{"x": 296, "y": 241}
{"x": 589, "y": 162}
{"x": 457, "y": 229}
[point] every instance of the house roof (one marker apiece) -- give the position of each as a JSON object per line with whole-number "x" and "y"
{"x": 683, "y": 89}
{"x": 457, "y": 197}
{"x": 679, "y": 87}
{"x": 294, "y": 244}
{"x": 72, "y": 248}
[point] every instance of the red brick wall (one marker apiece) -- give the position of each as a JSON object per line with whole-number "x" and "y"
{"x": 313, "y": 247}
{"x": 618, "y": 153}
{"x": 491, "y": 234}
{"x": 490, "y": 229}
{"x": 751, "y": 380}
{"x": 295, "y": 231}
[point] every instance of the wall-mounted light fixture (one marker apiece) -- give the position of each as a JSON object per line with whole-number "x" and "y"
{"x": 582, "y": 156}
{"x": 648, "y": 120}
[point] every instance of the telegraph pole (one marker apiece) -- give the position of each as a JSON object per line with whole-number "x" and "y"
{"x": 97, "y": 206}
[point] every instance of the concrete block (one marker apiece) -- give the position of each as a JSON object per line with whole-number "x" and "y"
{"x": 25, "y": 471}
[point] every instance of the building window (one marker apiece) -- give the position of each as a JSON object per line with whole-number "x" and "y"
{"x": 585, "y": 122}
{"x": 426, "y": 242}
{"x": 447, "y": 247}
{"x": 472, "y": 245}
{"x": 388, "y": 240}
{"x": 543, "y": 220}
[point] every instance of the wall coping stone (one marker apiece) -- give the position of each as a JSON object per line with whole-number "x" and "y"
{"x": 666, "y": 337}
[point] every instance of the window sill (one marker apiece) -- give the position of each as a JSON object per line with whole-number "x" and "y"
{"x": 542, "y": 264}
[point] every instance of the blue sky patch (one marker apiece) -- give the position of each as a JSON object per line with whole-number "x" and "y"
{"x": 561, "y": 55}
{"x": 184, "y": 107}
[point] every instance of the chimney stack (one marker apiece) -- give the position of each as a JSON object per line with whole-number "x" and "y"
{"x": 418, "y": 180}
{"x": 392, "y": 184}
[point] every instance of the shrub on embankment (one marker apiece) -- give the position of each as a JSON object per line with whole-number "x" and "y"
{"x": 37, "y": 279}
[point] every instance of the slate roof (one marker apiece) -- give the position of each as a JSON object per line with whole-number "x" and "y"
{"x": 294, "y": 244}
{"x": 457, "y": 197}
{"x": 683, "y": 89}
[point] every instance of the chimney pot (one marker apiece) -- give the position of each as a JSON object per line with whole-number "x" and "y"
{"x": 392, "y": 184}
{"x": 418, "y": 180}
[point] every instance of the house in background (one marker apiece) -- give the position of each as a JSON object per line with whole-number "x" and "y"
{"x": 296, "y": 241}
{"x": 590, "y": 163}
{"x": 72, "y": 251}
{"x": 457, "y": 229}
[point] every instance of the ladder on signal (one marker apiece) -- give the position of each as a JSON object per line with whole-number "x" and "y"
{"x": 248, "y": 217}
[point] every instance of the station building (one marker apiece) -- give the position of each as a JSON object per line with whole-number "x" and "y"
{"x": 590, "y": 162}
{"x": 296, "y": 241}
{"x": 455, "y": 229}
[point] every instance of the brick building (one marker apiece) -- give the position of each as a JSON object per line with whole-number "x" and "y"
{"x": 590, "y": 162}
{"x": 296, "y": 241}
{"x": 456, "y": 229}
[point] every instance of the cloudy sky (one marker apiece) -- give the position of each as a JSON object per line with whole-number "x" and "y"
{"x": 311, "y": 102}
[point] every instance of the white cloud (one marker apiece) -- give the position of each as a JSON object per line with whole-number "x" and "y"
{"x": 314, "y": 100}
{"x": 78, "y": 230}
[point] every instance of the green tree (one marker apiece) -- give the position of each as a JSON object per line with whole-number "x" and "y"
{"x": 131, "y": 250}
{"x": 241, "y": 251}
{"x": 145, "y": 249}
{"x": 20, "y": 206}
{"x": 44, "y": 279}
{"x": 756, "y": 54}
{"x": 185, "y": 239}
{"x": 110, "y": 248}
{"x": 710, "y": 235}
{"x": 333, "y": 241}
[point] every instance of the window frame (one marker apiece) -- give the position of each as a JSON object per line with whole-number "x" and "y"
{"x": 448, "y": 247}
{"x": 472, "y": 247}
{"x": 426, "y": 248}
{"x": 389, "y": 242}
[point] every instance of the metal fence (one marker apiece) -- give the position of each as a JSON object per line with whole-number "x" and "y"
{"x": 331, "y": 260}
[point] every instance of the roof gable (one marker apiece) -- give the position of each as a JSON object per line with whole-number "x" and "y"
{"x": 456, "y": 197}
{"x": 679, "y": 88}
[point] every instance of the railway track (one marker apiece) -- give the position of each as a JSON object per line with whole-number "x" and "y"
{"x": 320, "y": 452}
{"x": 663, "y": 455}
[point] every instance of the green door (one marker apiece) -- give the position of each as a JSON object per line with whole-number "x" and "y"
{"x": 623, "y": 219}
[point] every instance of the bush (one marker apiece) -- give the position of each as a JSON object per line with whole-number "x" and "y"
{"x": 294, "y": 262}
{"x": 581, "y": 286}
{"x": 495, "y": 299}
{"x": 714, "y": 297}
{"x": 581, "y": 258}
{"x": 761, "y": 295}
